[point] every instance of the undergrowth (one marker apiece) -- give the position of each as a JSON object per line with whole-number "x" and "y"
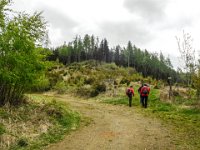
{"x": 90, "y": 79}
{"x": 39, "y": 122}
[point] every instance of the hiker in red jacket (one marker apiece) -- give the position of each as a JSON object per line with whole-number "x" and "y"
{"x": 144, "y": 93}
{"x": 140, "y": 94}
{"x": 130, "y": 94}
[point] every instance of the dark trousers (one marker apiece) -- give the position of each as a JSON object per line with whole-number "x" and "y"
{"x": 144, "y": 100}
{"x": 130, "y": 100}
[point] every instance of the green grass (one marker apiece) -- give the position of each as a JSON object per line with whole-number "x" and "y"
{"x": 185, "y": 121}
{"x": 2, "y": 129}
{"x": 64, "y": 120}
{"x": 116, "y": 101}
{"x": 57, "y": 113}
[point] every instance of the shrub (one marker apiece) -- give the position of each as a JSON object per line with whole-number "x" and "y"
{"x": 175, "y": 93}
{"x": 76, "y": 79}
{"x": 111, "y": 66}
{"x": 21, "y": 59}
{"x": 84, "y": 91}
{"x": 22, "y": 142}
{"x": 42, "y": 84}
{"x": 60, "y": 87}
{"x": 2, "y": 129}
{"x": 53, "y": 77}
{"x": 94, "y": 93}
{"x": 98, "y": 88}
{"x": 148, "y": 80}
{"x": 79, "y": 80}
{"x": 158, "y": 85}
{"x": 89, "y": 80}
{"x": 65, "y": 73}
{"x": 131, "y": 71}
{"x": 136, "y": 77}
{"x": 125, "y": 81}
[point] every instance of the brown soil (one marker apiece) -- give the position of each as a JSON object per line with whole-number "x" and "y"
{"x": 114, "y": 127}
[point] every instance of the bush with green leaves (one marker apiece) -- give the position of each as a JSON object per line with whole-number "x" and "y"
{"x": 41, "y": 84}
{"x": 23, "y": 142}
{"x": 111, "y": 66}
{"x": 60, "y": 87}
{"x": 89, "y": 80}
{"x": 54, "y": 76}
{"x": 2, "y": 129}
{"x": 85, "y": 91}
{"x": 98, "y": 88}
{"x": 125, "y": 81}
{"x": 20, "y": 57}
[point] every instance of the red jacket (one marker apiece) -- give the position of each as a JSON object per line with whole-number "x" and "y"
{"x": 144, "y": 91}
{"x": 131, "y": 91}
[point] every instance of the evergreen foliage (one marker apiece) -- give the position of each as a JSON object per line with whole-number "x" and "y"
{"x": 149, "y": 64}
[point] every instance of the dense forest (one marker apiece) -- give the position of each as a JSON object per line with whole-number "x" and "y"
{"x": 155, "y": 64}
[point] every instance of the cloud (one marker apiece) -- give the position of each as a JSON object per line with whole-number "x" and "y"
{"x": 61, "y": 26}
{"x": 151, "y": 10}
{"x": 122, "y": 32}
{"x": 177, "y": 23}
{"x": 58, "y": 19}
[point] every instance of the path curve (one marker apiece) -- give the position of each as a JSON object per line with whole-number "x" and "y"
{"x": 114, "y": 128}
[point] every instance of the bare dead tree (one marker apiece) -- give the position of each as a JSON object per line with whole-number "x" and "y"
{"x": 187, "y": 55}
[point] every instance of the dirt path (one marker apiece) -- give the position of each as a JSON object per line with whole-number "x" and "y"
{"x": 114, "y": 128}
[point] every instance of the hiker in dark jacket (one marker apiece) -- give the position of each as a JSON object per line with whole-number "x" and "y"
{"x": 144, "y": 93}
{"x": 130, "y": 94}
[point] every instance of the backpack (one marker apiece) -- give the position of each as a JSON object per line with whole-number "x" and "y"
{"x": 129, "y": 92}
{"x": 145, "y": 91}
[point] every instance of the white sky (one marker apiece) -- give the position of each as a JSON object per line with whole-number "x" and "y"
{"x": 149, "y": 24}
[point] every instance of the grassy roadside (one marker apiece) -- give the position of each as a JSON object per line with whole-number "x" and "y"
{"x": 39, "y": 122}
{"x": 185, "y": 121}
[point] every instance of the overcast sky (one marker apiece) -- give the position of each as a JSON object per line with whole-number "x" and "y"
{"x": 148, "y": 24}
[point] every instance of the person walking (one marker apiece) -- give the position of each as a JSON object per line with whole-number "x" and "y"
{"x": 130, "y": 94}
{"x": 139, "y": 93}
{"x": 144, "y": 93}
